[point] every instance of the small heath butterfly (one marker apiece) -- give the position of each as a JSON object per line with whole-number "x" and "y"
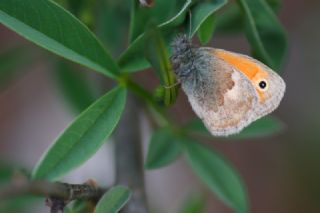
{"x": 227, "y": 90}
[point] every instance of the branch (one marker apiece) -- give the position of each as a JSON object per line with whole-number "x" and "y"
{"x": 129, "y": 161}
{"x": 129, "y": 165}
{"x": 58, "y": 194}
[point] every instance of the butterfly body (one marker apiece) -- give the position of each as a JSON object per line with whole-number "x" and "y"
{"x": 228, "y": 91}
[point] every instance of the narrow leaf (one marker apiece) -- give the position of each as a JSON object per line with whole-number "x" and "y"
{"x": 83, "y": 137}
{"x": 196, "y": 125}
{"x": 158, "y": 56}
{"x": 50, "y": 26}
{"x": 76, "y": 6}
{"x": 202, "y": 11}
{"x": 220, "y": 177}
{"x": 6, "y": 172}
{"x": 82, "y": 206}
{"x": 113, "y": 15}
{"x": 18, "y": 204}
{"x": 163, "y": 149}
{"x": 194, "y": 204}
{"x": 264, "y": 32}
{"x": 230, "y": 20}
{"x": 113, "y": 200}
{"x": 264, "y": 127}
{"x": 133, "y": 58}
{"x": 159, "y": 13}
{"x": 275, "y": 5}
{"x": 206, "y": 29}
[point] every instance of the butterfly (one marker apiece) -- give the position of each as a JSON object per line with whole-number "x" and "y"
{"x": 227, "y": 90}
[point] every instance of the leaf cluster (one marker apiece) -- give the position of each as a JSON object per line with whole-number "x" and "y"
{"x": 51, "y": 26}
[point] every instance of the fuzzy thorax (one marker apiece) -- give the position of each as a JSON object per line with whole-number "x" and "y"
{"x": 183, "y": 56}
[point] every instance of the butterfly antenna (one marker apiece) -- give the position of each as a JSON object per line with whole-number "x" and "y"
{"x": 172, "y": 85}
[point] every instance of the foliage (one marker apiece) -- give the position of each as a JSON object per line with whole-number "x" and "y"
{"x": 113, "y": 200}
{"x": 83, "y": 137}
{"x": 52, "y": 27}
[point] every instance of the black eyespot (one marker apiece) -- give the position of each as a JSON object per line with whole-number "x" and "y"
{"x": 262, "y": 84}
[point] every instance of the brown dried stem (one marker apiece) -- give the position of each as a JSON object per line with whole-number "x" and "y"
{"x": 58, "y": 194}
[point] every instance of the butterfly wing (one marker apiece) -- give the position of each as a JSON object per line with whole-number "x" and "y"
{"x": 222, "y": 96}
{"x": 270, "y": 96}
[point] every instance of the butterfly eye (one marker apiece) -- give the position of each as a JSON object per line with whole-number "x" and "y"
{"x": 263, "y": 85}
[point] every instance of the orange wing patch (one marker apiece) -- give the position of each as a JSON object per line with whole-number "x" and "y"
{"x": 248, "y": 67}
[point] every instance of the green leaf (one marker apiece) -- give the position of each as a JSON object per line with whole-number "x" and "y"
{"x": 83, "y": 137}
{"x": 264, "y": 32}
{"x": 18, "y": 204}
{"x": 203, "y": 11}
{"x": 74, "y": 86}
{"x": 275, "y": 4}
{"x": 220, "y": 177}
{"x": 113, "y": 200}
{"x": 9, "y": 171}
{"x": 263, "y": 127}
{"x": 158, "y": 56}
{"x": 206, "y": 29}
{"x": 67, "y": 209}
{"x": 6, "y": 172}
{"x": 50, "y": 26}
{"x": 82, "y": 206}
{"x": 230, "y": 20}
{"x": 113, "y": 15}
{"x": 76, "y": 6}
{"x": 196, "y": 125}
{"x": 160, "y": 12}
{"x": 194, "y": 204}
{"x": 133, "y": 58}
{"x": 163, "y": 149}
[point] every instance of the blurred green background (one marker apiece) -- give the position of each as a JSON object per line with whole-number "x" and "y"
{"x": 281, "y": 172}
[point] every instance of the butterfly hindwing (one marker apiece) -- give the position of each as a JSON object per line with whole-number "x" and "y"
{"x": 226, "y": 103}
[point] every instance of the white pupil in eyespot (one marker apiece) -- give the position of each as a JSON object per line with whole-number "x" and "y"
{"x": 262, "y": 84}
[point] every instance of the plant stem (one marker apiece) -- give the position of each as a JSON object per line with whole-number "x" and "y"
{"x": 129, "y": 161}
{"x": 148, "y": 98}
{"x": 62, "y": 191}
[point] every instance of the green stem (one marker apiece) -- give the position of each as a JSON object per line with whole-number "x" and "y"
{"x": 146, "y": 96}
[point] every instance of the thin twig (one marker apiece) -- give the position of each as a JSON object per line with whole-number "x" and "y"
{"x": 58, "y": 194}
{"x": 48, "y": 189}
